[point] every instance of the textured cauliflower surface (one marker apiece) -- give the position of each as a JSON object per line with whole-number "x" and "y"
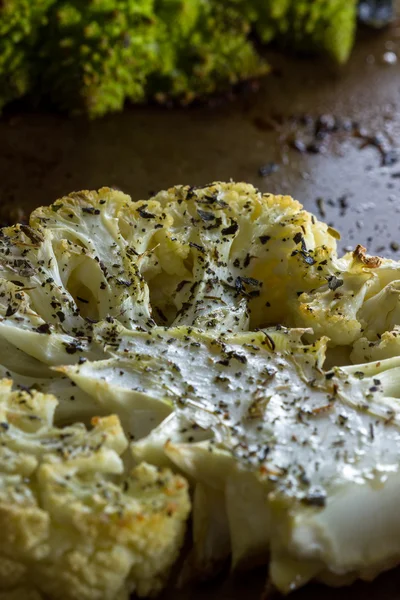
{"x": 185, "y": 256}
{"x": 75, "y": 523}
{"x": 193, "y": 331}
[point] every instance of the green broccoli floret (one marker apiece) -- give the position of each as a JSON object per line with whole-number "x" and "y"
{"x": 322, "y": 25}
{"x": 20, "y": 21}
{"x": 205, "y": 48}
{"x": 97, "y": 53}
{"x": 92, "y": 56}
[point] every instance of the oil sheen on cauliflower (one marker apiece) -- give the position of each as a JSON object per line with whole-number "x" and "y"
{"x": 75, "y": 523}
{"x": 208, "y": 322}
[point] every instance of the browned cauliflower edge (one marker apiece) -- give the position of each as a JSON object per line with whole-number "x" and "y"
{"x": 76, "y": 524}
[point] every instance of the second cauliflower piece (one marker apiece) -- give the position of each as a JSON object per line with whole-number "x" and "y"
{"x": 74, "y": 523}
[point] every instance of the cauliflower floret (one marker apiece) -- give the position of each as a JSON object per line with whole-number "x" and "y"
{"x": 332, "y": 307}
{"x": 23, "y": 327}
{"x": 238, "y": 257}
{"x": 348, "y": 298}
{"x": 381, "y": 312}
{"x": 75, "y": 524}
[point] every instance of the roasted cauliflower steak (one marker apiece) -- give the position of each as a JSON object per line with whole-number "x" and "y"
{"x": 212, "y": 332}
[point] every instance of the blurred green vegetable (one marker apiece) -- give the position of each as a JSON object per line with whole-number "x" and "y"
{"x": 20, "y": 21}
{"x": 92, "y": 56}
{"x": 204, "y": 48}
{"x": 310, "y": 25}
{"x": 98, "y": 53}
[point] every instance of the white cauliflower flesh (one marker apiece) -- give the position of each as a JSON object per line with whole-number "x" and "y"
{"x": 287, "y": 450}
{"x": 201, "y": 320}
{"x": 304, "y": 460}
{"x": 75, "y": 524}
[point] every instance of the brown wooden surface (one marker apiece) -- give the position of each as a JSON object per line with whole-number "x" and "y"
{"x": 43, "y": 156}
